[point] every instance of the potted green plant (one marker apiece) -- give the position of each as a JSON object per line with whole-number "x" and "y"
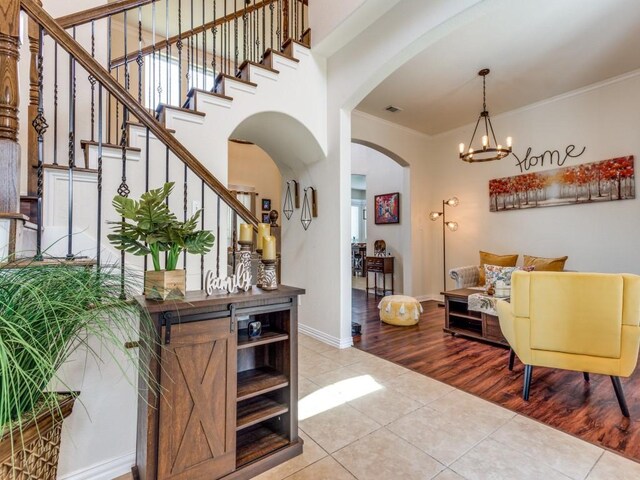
{"x": 148, "y": 227}
{"x": 47, "y": 310}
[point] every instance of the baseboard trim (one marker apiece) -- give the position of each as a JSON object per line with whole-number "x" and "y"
{"x": 107, "y": 470}
{"x": 428, "y": 298}
{"x": 324, "y": 338}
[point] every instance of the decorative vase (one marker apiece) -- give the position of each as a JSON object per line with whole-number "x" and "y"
{"x": 33, "y": 452}
{"x": 164, "y": 284}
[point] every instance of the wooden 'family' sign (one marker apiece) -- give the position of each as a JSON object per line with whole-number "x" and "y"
{"x": 240, "y": 281}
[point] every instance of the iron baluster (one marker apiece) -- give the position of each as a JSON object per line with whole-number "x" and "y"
{"x": 99, "y": 220}
{"x": 235, "y": 27}
{"x": 271, "y": 8}
{"x": 256, "y": 26}
{"x": 92, "y": 81}
{"x": 279, "y": 29}
{"x": 40, "y": 126}
{"x": 109, "y": 67}
{"x": 72, "y": 151}
{"x": 202, "y": 228}
{"x": 218, "y": 237}
{"x": 139, "y": 59}
{"x": 214, "y": 33}
{"x": 126, "y": 59}
{"x": 302, "y": 11}
{"x": 179, "y": 47}
{"x": 166, "y": 50}
{"x": 154, "y": 61}
{"x": 146, "y": 176}
{"x": 185, "y": 193}
{"x": 245, "y": 30}
{"x": 204, "y": 51}
{"x": 123, "y": 188}
{"x": 55, "y": 105}
{"x": 264, "y": 31}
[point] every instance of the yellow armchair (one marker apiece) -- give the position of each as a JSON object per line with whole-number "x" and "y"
{"x": 587, "y": 322}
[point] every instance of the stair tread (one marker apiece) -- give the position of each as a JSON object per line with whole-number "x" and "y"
{"x": 164, "y": 106}
{"x": 66, "y": 167}
{"x": 270, "y": 51}
{"x": 132, "y": 123}
{"x": 222, "y": 76}
{"x": 208, "y": 92}
{"x": 259, "y": 65}
{"x": 84, "y": 143}
{"x": 293, "y": 40}
{"x": 30, "y": 262}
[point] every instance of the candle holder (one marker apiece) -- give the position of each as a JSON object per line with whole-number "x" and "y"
{"x": 270, "y": 278}
{"x": 244, "y": 256}
{"x": 260, "y": 279}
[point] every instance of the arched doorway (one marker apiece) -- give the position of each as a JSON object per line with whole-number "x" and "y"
{"x": 377, "y": 172}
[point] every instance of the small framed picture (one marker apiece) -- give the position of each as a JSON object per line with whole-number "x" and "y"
{"x": 265, "y": 218}
{"x": 266, "y": 204}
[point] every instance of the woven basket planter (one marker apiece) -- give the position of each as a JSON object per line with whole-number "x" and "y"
{"x": 34, "y": 454}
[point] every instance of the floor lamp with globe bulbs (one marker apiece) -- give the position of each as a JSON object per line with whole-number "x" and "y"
{"x": 453, "y": 226}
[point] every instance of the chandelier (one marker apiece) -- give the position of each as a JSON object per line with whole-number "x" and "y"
{"x": 488, "y": 151}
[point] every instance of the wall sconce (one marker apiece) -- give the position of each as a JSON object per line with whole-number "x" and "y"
{"x": 309, "y": 207}
{"x": 289, "y": 199}
{"x": 453, "y": 226}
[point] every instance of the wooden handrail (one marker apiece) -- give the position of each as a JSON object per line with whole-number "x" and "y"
{"x": 117, "y": 62}
{"x": 96, "y": 13}
{"x": 98, "y": 72}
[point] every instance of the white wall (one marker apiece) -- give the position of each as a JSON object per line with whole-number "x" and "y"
{"x": 384, "y": 175}
{"x": 598, "y": 237}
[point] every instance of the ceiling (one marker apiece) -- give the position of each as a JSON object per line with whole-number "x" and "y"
{"x": 535, "y": 50}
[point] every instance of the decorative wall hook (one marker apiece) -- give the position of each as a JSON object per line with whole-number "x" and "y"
{"x": 309, "y": 207}
{"x": 291, "y": 200}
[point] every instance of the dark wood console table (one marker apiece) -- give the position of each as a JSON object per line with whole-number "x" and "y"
{"x": 459, "y": 320}
{"x": 229, "y": 403}
{"x": 379, "y": 265}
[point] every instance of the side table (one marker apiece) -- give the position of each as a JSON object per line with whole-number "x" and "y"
{"x": 379, "y": 265}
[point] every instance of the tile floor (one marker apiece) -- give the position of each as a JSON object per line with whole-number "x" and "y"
{"x": 365, "y": 418}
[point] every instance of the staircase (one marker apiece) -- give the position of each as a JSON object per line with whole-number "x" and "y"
{"x": 111, "y": 129}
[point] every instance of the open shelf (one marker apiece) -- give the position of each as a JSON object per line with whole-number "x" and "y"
{"x": 258, "y": 409}
{"x": 269, "y": 336}
{"x": 252, "y": 383}
{"x": 256, "y": 442}
{"x": 471, "y": 317}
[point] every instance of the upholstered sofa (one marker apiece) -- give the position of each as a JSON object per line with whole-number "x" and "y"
{"x": 469, "y": 276}
{"x": 465, "y": 277}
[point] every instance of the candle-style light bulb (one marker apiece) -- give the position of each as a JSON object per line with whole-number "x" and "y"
{"x": 461, "y": 146}
{"x": 499, "y": 147}
{"x": 470, "y": 150}
{"x": 485, "y": 141}
{"x": 509, "y": 142}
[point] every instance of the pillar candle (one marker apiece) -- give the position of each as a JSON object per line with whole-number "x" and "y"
{"x": 264, "y": 230}
{"x": 269, "y": 248}
{"x": 246, "y": 233}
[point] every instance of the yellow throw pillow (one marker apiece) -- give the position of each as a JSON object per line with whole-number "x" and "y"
{"x": 545, "y": 264}
{"x": 487, "y": 258}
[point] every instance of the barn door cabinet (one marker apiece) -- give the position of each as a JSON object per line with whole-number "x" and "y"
{"x": 227, "y": 406}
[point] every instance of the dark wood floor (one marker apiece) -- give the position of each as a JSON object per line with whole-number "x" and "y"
{"x": 559, "y": 398}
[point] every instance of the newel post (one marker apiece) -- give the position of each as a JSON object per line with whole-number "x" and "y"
{"x": 9, "y": 147}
